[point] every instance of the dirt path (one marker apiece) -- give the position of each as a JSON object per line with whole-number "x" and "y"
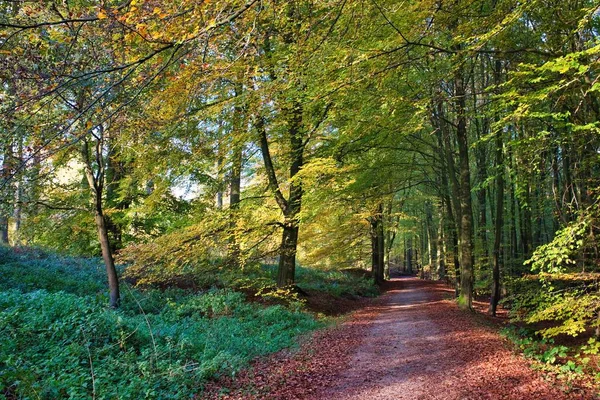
{"x": 405, "y": 353}
{"x": 411, "y": 343}
{"x": 419, "y": 346}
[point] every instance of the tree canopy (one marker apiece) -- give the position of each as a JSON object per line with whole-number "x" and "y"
{"x": 455, "y": 139}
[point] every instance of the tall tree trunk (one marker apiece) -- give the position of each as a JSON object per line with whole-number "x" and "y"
{"x": 432, "y": 241}
{"x": 3, "y": 229}
{"x": 18, "y": 208}
{"x": 389, "y": 239}
{"x": 96, "y": 185}
{"x": 289, "y": 243}
{"x": 466, "y": 210}
{"x": 7, "y": 195}
{"x": 377, "y": 245}
{"x": 111, "y": 272}
{"x": 219, "y": 166}
{"x": 513, "y": 216}
{"x": 449, "y": 196}
{"x": 482, "y": 206}
{"x": 409, "y": 256}
{"x": 441, "y": 253}
{"x": 499, "y": 223}
{"x": 526, "y": 224}
{"x": 292, "y": 205}
{"x": 235, "y": 186}
{"x": 286, "y": 271}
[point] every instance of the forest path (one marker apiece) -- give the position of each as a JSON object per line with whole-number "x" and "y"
{"x": 419, "y": 345}
{"x": 411, "y": 343}
{"x": 404, "y": 353}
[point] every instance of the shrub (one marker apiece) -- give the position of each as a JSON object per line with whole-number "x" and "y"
{"x": 58, "y": 343}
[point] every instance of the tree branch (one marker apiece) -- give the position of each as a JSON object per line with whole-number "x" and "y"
{"x": 264, "y": 148}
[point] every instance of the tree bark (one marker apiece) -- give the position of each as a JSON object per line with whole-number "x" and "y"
{"x": 441, "y": 253}
{"x": 409, "y": 256}
{"x": 292, "y": 205}
{"x": 18, "y": 208}
{"x": 466, "y": 210}
{"x": 377, "y": 245}
{"x": 7, "y": 193}
{"x": 96, "y": 185}
{"x": 111, "y": 272}
{"x": 432, "y": 241}
{"x": 498, "y": 226}
{"x": 499, "y": 223}
{"x": 286, "y": 271}
{"x": 235, "y": 185}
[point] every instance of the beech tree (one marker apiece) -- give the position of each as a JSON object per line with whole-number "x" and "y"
{"x": 455, "y": 140}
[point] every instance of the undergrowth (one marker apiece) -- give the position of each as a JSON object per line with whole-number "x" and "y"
{"x": 566, "y": 362}
{"x": 58, "y": 339}
{"x": 337, "y": 283}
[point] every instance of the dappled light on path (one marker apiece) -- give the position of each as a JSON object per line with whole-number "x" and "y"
{"x": 411, "y": 343}
{"x": 420, "y": 346}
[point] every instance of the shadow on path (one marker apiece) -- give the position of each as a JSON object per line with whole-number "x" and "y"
{"x": 420, "y": 346}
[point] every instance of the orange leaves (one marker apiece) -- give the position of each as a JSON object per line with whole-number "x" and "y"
{"x": 160, "y": 13}
{"x": 142, "y": 29}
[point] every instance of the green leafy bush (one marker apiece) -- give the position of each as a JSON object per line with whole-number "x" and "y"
{"x": 339, "y": 283}
{"x": 555, "y": 358}
{"x": 58, "y": 343}
{"x": 562, "y": 289}
{"x": 29, "y": 269}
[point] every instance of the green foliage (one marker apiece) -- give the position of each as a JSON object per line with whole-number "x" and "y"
{"x": 58, "y": 343}
{"x": 569, "y": 303}
{"x": 541, "y": 350}
{"x": 29, "y": 269}
{"x": 68, "y": 231}
{"x": 558, "y": 293}
{"x": 566, "y": 362}
{"x": 338, "y": 283}
{"x": 558, "y": 255}
{"x": 574, "y": 312}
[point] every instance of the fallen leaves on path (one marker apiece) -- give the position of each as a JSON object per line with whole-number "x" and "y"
{"x": 412, "y": 343}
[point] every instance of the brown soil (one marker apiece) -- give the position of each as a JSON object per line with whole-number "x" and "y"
{"x": 411, "y": 343}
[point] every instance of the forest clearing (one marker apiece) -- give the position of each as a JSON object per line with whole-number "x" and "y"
{"x": 345, "y": 199}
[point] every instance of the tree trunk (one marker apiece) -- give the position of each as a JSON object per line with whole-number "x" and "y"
{"x": 7, "y": 193}
{"x": 409, "y": 256}
{"x": 389, "y": 239}
{"x": 441, "y": 253}
{"x": 96, "y": 185}
{"x": 292, "y": 205}
{"x": 432, "y": 241}
{"x": 498, "y": 225}
{"x": 497, "y": 231}
{"x": 448, "y": 199}
{"x": 286, "y": 271}
{"x": 18, "y": 209}
{"x": 219, "y": 166}
{"x": 235, "y": 186}
{"x": 526, "y": 224}
{"x": 466, "y": 210}
{"x": 111, "y": 272}
{"x": 377, "y": 245}
{"x": 3, "y": 230}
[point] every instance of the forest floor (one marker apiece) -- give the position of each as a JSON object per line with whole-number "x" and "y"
{"x": 411, "y": 343}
